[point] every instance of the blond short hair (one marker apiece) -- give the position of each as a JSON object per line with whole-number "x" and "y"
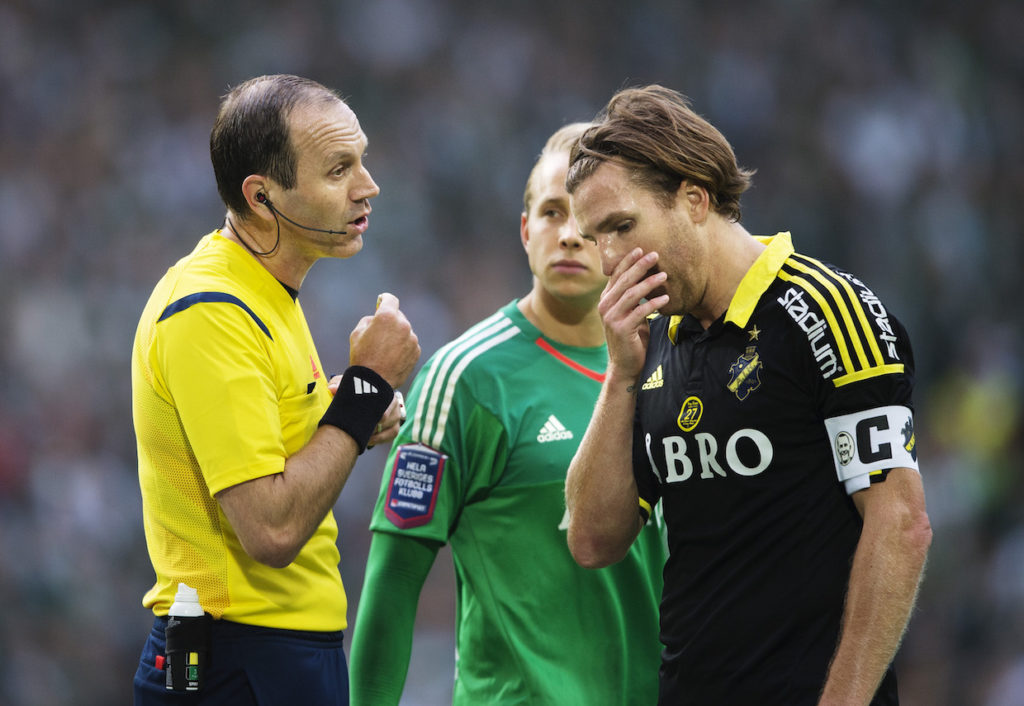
{"x": 561, "y": 141}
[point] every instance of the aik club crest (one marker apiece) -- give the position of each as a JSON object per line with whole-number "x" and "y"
{"x": 745, "y": 373}
{"x": 909, "y": 440}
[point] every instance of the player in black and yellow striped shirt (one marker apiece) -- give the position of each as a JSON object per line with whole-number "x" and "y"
{"x": 768, "y": 409}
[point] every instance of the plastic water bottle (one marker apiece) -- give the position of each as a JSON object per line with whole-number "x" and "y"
{"x": 188, "y": 641}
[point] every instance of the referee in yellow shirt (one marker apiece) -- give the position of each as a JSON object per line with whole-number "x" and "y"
{"x": 242, "y": 448}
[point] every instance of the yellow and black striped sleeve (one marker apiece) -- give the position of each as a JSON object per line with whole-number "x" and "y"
{"x": 850, "y": 332}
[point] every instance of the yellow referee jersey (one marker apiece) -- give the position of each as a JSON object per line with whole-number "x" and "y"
{"x": 226, "y": 385}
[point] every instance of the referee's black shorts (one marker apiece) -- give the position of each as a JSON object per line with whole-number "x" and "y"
{"x": 252, "y": 665}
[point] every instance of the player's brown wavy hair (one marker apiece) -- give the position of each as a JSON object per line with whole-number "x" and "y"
{"x": 654, "y": 131}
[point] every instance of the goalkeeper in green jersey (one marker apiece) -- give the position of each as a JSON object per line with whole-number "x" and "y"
{"x": 494, "y": 420}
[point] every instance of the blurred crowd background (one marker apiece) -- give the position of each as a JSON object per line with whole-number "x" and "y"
{"x": 888, "y": 136}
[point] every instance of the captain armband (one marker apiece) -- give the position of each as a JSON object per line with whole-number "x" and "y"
{"x": 866, "y": 445}
{"x": 361, "y": 400}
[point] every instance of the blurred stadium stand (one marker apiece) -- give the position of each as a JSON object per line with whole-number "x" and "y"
{"x": 887, "y": 137}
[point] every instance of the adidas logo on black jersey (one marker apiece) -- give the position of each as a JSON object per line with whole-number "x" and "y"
{"x": 553, "y": 430}
{"x": 656, "y": 380}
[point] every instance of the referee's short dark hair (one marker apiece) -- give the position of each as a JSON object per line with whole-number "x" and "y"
{"x": 653, "y": 131}
{"x": 251, "y": 135}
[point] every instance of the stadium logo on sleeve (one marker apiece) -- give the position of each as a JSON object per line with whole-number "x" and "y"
{"x": 414, "y": 485}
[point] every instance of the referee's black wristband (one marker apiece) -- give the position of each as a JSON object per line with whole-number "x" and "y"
{"x": 361, "y": 400}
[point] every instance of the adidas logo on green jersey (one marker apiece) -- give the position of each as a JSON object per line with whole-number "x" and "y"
{"x": 553, "y": 430}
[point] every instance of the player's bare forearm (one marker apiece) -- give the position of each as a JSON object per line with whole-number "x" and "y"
{"x": 601, "y": 493}
{"x": 884, "y": 579}
{"x": 600, "y": 490}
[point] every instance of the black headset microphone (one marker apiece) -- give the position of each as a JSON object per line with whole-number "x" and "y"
{"x": 262, "y": 198}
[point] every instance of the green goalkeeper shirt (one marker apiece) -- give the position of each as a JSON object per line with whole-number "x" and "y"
{"x": 495, "y": 418}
